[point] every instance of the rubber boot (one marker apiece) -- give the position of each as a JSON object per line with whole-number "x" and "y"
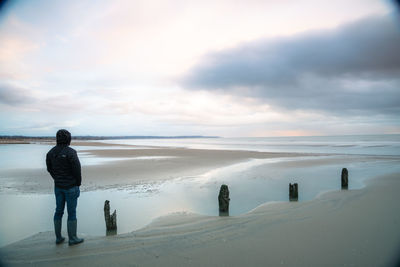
{"x": 57, "y": 230}
{"x": 73, "y": 239}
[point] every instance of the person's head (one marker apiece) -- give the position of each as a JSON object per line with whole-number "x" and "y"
{"x": 63, "y": 137}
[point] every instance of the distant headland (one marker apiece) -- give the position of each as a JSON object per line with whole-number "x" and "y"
{"x": 21, "y": 139}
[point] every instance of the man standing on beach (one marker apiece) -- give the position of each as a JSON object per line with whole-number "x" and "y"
{"x": 64, "y": 166}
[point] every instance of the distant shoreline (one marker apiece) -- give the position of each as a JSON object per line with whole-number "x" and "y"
{"x": 16, "y": 139}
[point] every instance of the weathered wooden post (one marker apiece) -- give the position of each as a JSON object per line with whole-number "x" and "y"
{"x": 293, "y": 192}
{"x": 223, "y": 200}
{"x": 345, "y": 178}
{"x": 111, "y": 221}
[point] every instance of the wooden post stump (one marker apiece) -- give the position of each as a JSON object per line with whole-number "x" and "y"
{"x": 345, "y": 179}
{"x": 223, "y": 200}
{"x": 111, "y": 220}
{"x": 293, "y": 192}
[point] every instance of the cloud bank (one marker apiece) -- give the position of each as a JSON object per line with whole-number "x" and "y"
{"x": 14, "y": 96}
{"x": 354, "y": 68}
{"x": 110, "y": 67}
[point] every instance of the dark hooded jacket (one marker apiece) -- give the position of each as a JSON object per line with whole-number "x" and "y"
{"x": 63, "y": 162}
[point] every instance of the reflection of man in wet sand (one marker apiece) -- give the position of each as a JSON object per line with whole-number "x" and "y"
{"x": 64, "y": 166}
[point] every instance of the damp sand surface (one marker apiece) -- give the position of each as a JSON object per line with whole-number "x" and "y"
{"x": 113, "y": 166}
{"x": 186, "y": 181}
{"x": 341, "y": 228}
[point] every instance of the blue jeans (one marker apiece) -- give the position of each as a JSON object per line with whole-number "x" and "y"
{"x": 66, "y": 195}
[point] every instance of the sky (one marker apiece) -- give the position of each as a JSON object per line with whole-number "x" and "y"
{"x": 218, "y": 68}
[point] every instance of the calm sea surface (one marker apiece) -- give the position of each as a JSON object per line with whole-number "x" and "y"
{"x": 351, "y": 144}
{"x": 251, "y": 183}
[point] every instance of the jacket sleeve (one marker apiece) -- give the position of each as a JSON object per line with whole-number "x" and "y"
{"x": 76, "y": 168}
{"x": 48, "y": 164}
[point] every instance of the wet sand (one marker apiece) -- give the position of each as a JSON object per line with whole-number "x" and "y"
{"x": 342, "y": 228}
{"x": 133, "y": 166}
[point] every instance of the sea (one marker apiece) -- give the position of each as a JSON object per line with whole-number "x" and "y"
{"x": 252, "y": 183}
{"x": 344, "y": 144}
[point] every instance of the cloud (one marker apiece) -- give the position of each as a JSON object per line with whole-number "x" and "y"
{"x": 17, "y": 43}
{"x": 36, "y": 100}
{"x": 352, "y": 68}
{"x": 182, "y": 107}
{"x": 14, "y": 96}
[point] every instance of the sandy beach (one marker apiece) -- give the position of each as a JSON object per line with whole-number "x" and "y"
{"x": 342, "y": 228}
{"x": 129, "y": 165}
{"x": 135, "y": 165}
{"x": 339, "y": 228}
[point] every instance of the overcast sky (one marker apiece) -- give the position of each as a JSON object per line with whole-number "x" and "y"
{"x": 179, "y": 67}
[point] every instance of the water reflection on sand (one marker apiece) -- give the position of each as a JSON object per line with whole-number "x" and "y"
{"x": 251, "y": 183}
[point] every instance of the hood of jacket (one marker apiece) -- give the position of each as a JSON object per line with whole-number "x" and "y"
{"x": 63, "y": 137}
